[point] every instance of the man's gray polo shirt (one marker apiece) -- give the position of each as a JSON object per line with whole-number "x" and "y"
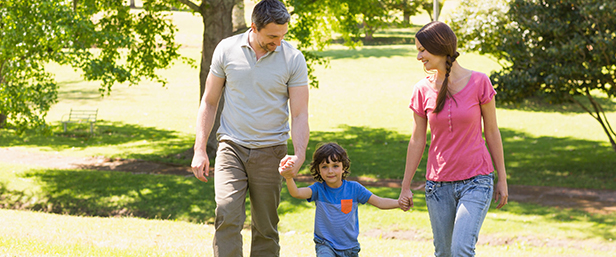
{"x": 256, "y": 111}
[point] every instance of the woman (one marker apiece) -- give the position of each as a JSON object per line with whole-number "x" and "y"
{"x": 459, "y": 174}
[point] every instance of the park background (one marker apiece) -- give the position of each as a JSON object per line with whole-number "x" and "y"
{"x": 361, "y": 103}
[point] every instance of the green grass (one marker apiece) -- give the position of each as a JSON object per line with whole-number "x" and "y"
{"x": 362, "y": 103}
{"x": 125, "y": 214}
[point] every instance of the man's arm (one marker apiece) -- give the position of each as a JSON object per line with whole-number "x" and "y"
{"x": 300, "y": 130}
{"x": 205, "y": 121}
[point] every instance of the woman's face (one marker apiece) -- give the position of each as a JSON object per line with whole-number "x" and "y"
{"x": 430, "y": 61}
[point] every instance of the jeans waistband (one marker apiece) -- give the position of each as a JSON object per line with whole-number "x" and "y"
{"x": 464, "y": 181}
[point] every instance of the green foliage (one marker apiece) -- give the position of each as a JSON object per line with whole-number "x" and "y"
{"x": 107, "y": 41}
{"x": 551, "y": 48}
{"x": 317, "y": 22}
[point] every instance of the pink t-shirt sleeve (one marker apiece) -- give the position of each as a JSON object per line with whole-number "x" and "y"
{"x": 487, "y": 90}
{"x": 418, "y": 100}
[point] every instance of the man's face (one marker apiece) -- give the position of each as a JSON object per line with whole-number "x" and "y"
{"x": 270, "y": 36}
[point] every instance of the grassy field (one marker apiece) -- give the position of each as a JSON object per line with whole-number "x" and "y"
{"x": 124, "y": 214}
{"x": 361, "y": 103}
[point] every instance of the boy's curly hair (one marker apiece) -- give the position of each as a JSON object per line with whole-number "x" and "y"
{"x": 329, "y": 152}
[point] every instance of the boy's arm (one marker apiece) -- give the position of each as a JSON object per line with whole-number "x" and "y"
{"x": 299, "y": 193}
{"x": 383, "y": 203}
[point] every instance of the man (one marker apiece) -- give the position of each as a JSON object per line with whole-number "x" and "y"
{"x": 263, "y": 77}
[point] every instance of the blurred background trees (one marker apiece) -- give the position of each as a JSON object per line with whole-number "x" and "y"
{"x": 551, "y": 49}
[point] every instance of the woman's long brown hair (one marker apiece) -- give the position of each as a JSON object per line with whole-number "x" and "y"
{"x": 438, "y": 39}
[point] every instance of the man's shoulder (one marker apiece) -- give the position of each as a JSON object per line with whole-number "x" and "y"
{"x": 232, "y": 40}
{"x": 288, "y": 48}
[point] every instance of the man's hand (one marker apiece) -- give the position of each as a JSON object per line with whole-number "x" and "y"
{"x": 200, "y": 165}
{"x": 289, "y": 166}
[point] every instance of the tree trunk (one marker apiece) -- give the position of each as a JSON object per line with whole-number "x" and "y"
{"x": 407, "y": 18}
{"x": 132, "y": 4}
{"x": 217, "y": 25}
{"x": 239, "y": 22}
{"x": 2, "y": 120}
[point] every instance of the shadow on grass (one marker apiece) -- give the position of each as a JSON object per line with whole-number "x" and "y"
{"x": 82, "y": 94}
{"x": 530, "y": 160}
{"x": 146, "y": 143}
{"x": 374, "y": 152}
{"x": 122, "y": 194}
{"x": 119, "y": 194}
{"x": 560, "y": 162}
{"x": 109, "y": 194}
{"x": 602, "y": 228}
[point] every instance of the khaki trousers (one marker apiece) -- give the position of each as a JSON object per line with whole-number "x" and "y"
{"x": 240, "y": 170}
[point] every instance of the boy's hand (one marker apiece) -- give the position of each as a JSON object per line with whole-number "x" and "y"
{"x": 286, "y": 167}
{"x": 406, "y": 200}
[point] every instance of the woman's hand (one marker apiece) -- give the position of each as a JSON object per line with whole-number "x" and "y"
{"x": 501, "y": 193}
{"x": 406, "y": 200}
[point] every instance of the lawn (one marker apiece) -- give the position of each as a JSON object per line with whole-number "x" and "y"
{"x": 361, "y": 103}
{"x": 123, "y": 214}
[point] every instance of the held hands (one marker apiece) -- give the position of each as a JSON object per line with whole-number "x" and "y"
{"x": 288, "y": 168}
{"x": 406, "y": 200}
{"x": 200, "y": 166}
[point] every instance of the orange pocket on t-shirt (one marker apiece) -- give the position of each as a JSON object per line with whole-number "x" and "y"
{"x": 346, "y": 205}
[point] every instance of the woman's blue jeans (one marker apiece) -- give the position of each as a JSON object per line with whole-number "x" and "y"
{"x": 457, "y": 210}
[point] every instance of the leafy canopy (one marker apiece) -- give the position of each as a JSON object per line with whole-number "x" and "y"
{"x": 104, "y": 39}
{"x": 549, "y": 48}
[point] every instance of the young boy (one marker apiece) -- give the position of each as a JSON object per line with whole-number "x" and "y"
{"x": 336, "y": 225}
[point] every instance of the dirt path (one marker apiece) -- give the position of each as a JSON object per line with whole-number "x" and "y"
{"x": 591, "y": 200}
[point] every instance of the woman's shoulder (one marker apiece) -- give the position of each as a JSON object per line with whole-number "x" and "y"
{"x": 479, "y": 76}
{"x": 425, "y": 83}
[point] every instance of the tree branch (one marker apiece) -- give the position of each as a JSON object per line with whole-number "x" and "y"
{"x": 191, "y": 5}
{"x": 599, "y": 110}
{"x": 582, "y": 105}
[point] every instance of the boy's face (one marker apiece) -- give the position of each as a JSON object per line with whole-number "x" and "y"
{"x": 331, "y": 173}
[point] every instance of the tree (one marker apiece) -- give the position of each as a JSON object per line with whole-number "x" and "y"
{"x": 554, "y": 49}
{"x": 103, "y": 39}
{"x": 408, "y": 8}
{"x": 428, "y": 6}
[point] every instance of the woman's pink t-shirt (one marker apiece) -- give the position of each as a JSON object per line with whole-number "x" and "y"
{"x": 457, "y": 150}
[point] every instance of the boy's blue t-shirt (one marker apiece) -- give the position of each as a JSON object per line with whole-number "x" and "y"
{"x": 336, "y": 220}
